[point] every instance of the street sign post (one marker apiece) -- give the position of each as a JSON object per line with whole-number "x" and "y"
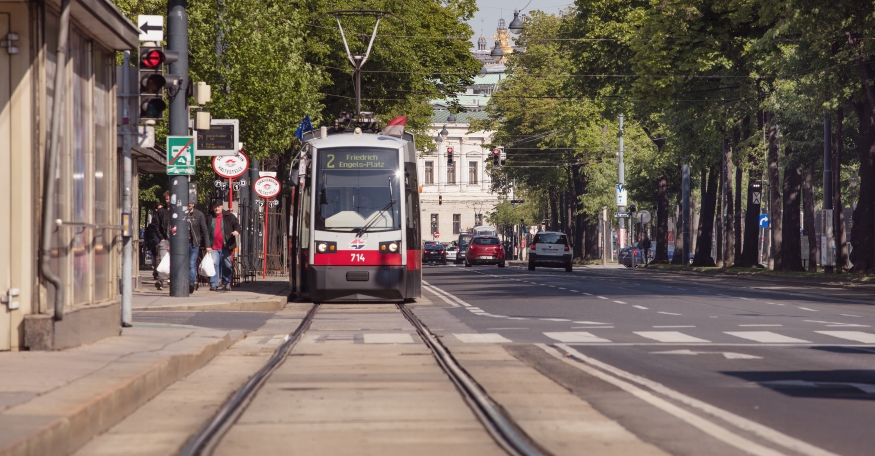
{"x": 151, "y": 28}
{"x": 764, "y": 221}
{"x": 621, "y": 215}
{"x": 621, "y": 195}
{"x": 180, "y": 156}
{"x": 268, "y": 188}
{"x": 757, "y": 197}
{"x": 643, "y": 216}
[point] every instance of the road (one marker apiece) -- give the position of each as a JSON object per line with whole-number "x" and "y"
{"x": 693, "y": 365}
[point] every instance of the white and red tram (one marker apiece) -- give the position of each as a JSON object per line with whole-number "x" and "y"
{"x": 354, "y": 231}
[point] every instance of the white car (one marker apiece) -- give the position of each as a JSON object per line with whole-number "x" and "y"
{"x": 452, "y": 253}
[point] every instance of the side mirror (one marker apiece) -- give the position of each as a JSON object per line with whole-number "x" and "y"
{"x": 295, "y": 177}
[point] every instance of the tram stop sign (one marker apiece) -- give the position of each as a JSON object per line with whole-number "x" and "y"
{"x": 764, "y": 220}
{"x": 437, "y": 234}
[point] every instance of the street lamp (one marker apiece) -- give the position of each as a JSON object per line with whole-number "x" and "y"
{"x": 444, "y": 133}
{"x": 516, "y": 25}
{"x": 497, "y": 51}
{"x": 438, "y": 139}
{"x": 451, "y": 118}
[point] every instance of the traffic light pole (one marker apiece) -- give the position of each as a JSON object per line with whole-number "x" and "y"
{"x": 621, "y": 232}
{"x": 177, "y": 40}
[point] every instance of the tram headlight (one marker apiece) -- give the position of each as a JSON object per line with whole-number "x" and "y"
{"x": 390, "y": 247}
{"x": 326, "y": 247}
{"x": 393, "y": 247}
{"x": 322, "y": 247}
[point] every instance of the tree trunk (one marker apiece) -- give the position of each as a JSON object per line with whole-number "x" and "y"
{"x": 750, "y": 250}
{"x": 554, "y": 216}
{"x": 592, "y": 251}
{"x": 661, "y": 255}
{"x": 863, "y": 228}
{"x": 808, "y": 220}
{"x": 792, "y": 240}
{"x": 838, "y": 205}
{"x": 695, "y": 208}
{"x": 729, "y": 204}
{"x": 775, "y": 260}
{"x": 581, "y": 238}
{"x": 704, "y": 237}
{"x": 718, "y": 224}
{"x": 678, "y": 232}
{"x": 737, "y": 230}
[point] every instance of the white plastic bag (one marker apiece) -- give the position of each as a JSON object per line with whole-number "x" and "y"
{"x": 207, "y": 268}
{"x": 164, "y": 265}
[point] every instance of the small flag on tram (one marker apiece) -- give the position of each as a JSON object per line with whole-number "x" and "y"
{"x": 305, "y": 126}
{"x": 395, "y": 127}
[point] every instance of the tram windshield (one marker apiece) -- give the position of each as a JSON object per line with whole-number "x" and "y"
{"x": 357, "y": 190}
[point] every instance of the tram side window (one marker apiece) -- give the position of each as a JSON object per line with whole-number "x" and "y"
{"x": 305, "y": 216}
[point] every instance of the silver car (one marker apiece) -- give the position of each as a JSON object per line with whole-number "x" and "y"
{"x": 452, "y": 252}
{"x": 551, "y": 249}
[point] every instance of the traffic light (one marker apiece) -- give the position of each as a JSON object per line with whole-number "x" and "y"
{"x": 496, "y": 154}
{"x": 449, "y": 155}
{"x": 440, "y": 200}
{"x": 153, "y": 80}
{"x": 502, "y": 155}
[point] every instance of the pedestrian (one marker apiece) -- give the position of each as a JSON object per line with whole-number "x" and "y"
{"x": 161, "y": 220}
{"x": 223, "y": 231}
{"x": 150, "y": 241}
{"x": 645, "y": 246}
{"x": 198, "y": 236}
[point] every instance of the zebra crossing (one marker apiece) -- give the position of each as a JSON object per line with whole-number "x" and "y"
{"x": 763, "y": 338}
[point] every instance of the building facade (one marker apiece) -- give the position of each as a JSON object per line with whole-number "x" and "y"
{"x": 84, "y": 208}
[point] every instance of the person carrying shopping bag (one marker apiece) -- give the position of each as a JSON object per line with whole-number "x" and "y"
{"x": 198, "y": 236}
{"x": 223, "y": 229}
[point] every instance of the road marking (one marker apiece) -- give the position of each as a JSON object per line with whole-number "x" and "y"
{"x": 563, "y": 288}
{"x": 864, "y": 387}
{"x": 620, "y": 377}
{"x": 727, "y": 355}
{"x": 482, "y": 338}
{"x": 391, "y": 338}
{"x": 835, "y": 324}
{"x": 676, "y": 326}
{"x": 667, "y": 313}
{"x": 806, "y": 308}
{"x": 503, "y": 329}
{"x": 574, "y": 291}
{"x": 620, "y": 302}
{"x": 765, "y": 337}
{"x": 601, "y": 297}
{"x": 552, "y": 286}
{"x": 725, "y": 296}
{"x": 554, "y": 319}
{"x": 849, "y": 315}
{"x": 591, "y": 327}
{"x": 590, "y": 323}
{"x": 857, "y": 336}
{"x": 574, "y": 337}
{"x": 436, "y": 293}
{"x": 640, "y": 307}
{"x": 585, "y": 293}
{"x": 669, "y": 336}
{"x": 446, "y": 295}
{"x": 759, "y": 325}
{"x": 774, "y": 304}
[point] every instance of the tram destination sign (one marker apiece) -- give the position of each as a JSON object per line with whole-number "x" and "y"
{"x": 221, "y": 139}
{"x": 359, "y": 160}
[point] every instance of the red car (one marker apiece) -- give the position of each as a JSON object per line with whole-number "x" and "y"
{"x": 484, "y": 250}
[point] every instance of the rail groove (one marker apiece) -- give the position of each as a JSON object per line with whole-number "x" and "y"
{"x": 209, "y": 436}
{"x": 494, "y": 418}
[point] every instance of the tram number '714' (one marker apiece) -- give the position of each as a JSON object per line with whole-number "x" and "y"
{"x": 357, "y": 257}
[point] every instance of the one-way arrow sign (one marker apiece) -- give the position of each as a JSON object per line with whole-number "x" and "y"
{"x": 151, "y": 28}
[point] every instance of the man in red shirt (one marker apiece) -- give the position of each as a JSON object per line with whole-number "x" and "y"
{"x": 223, "y": 229}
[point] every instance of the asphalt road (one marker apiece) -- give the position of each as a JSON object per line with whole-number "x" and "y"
{"x": 693, "y": 365}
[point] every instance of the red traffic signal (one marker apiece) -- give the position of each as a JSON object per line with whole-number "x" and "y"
{"x": 152, "y": 59}
{"x": 495, "y": 154}
{"x": 449, "y": 155}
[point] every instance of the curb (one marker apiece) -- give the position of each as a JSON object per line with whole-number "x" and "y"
{"x": 261, "y": 305}
{"x": 66, "y": 422}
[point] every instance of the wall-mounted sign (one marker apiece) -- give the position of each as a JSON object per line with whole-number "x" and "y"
{"x": 221, "y": 139}
{"x": 267, "y": 187}
{"x": 231, "y": 166}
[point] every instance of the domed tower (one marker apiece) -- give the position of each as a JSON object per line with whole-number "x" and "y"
{"x": 502, "y": 40}
{"x": 482, "y": 45}
{"x": 501, "y": 25}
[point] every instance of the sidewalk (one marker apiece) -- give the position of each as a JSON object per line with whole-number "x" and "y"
{"x": 51, "y": 403}
{"x": 263, "y": 295}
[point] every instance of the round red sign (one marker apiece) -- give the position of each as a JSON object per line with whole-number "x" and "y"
{"x": 267, "y": 187}
{"x": 231, "y": 166}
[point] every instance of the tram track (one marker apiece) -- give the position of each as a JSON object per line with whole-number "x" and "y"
{"x": 494, "y": 419}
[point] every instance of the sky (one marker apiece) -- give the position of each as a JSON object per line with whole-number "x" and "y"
{"x": 493, "y": 10}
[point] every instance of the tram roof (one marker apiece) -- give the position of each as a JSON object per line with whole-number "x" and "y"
{"x": 362, "y": 140}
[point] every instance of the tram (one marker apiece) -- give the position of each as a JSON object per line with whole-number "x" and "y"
{"x": 354, "y": 228}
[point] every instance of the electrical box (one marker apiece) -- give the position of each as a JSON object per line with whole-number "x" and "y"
{"x": 202, "y": 95}
{"x": 202, "y": 120}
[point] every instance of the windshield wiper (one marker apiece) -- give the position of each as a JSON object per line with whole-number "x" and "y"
{"x": 375, "y": 217}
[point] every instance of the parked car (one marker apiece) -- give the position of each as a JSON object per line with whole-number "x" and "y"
{"x": 452, "y": 253}
{"x": 484, "y": 250}
{"x": 434, "y": 252}
{"x": 625, "y": 257}
{"x": 462, "y": 253}
{"x": 550, "y": 249}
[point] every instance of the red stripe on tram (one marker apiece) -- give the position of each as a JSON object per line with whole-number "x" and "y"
{"x": 414, "y": 260}
{"x": 357, "y": 258}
